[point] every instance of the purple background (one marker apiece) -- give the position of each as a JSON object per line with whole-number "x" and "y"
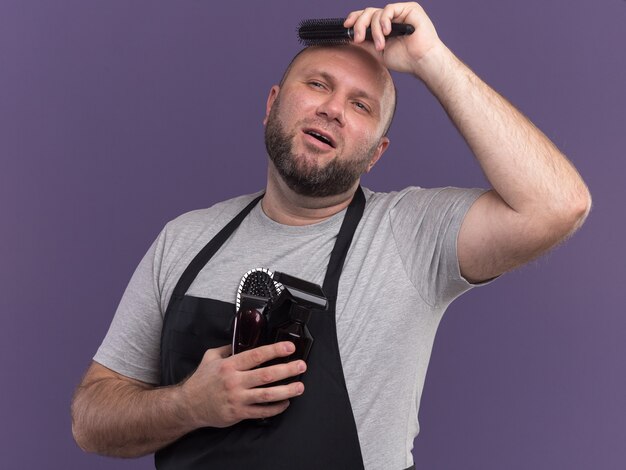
{"x": 117, "y": 116}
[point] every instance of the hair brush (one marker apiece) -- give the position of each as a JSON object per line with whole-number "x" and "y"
{"x": 256, "y": 293}
{"x": 259, "y": 282}
{"x": 330, "y": 31}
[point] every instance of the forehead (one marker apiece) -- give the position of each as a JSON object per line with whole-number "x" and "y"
{"x": 348, "y": 64}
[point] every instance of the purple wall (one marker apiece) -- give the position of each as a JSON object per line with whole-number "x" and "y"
{"x": 117, "y": 116}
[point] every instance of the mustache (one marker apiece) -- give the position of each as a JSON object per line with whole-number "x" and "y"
{"x": 323, "y": 125}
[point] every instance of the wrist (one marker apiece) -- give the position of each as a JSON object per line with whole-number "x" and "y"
{"x": 435, "y": 66}
{"x": 184, "y": 408}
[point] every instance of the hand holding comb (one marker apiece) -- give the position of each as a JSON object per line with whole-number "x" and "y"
{"x": 330, "y": 31}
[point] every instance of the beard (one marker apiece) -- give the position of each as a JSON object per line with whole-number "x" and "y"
{"x": 304, "y": 176}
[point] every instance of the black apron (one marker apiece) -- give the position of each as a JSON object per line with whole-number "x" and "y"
{"x": 317, "y": 431}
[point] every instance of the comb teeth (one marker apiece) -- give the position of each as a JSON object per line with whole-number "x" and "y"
{"x": 259, "y": 282}
{"x": 323, "y": 31}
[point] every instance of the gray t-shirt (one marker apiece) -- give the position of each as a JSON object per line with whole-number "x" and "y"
{"x": 399, "y": 276}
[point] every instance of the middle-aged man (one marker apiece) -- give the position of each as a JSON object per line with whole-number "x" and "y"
{"x": 164, "y": 380}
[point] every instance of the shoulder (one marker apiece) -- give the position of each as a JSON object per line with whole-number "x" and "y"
{"x": 376, "y": 199}
{"x": 416, "y": 208}
{"x": 417, "y": 196}
{"x": 201, "y": 219}
{"x": 198, "y": 226}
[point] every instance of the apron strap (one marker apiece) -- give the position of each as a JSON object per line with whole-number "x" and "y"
{"x": 344, "y": 239}
{"x": 209, "y": 250}
{"x": 337, "y": 256}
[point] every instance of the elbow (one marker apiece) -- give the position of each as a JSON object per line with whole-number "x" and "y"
{"x": 81, "y": 439}
{"x": 93, "y": 436}
{"x": 84, "y": 424}
{"x": 571, "y": 214}
{"x": 86, "y": 438}
{"x": 579, "y": 209}
{"x": 80, "y": 432}
{"x": 556, "y": 221}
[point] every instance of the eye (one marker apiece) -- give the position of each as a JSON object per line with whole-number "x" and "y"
{"x": 361, "y": 106}
{"x": 316, "y": 84}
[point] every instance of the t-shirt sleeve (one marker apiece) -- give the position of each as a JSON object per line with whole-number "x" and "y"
{"x": 425, "y": 224}
{"x": 131, "y": 347}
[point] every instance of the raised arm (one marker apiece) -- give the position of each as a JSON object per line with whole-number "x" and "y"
{"x": 122, "y": 417}
{"x": 538, "y": 197}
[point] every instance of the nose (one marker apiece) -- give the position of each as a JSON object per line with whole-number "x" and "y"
{"x": 332, "y": 109}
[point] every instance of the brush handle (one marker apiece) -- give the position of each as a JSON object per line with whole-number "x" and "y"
{"x": 397, "y": 29}
{"x": 330, "y": 31}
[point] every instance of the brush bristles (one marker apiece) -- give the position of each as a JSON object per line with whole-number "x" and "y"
{"x": 259, "y": 282}
{"x": 324, "y": 31}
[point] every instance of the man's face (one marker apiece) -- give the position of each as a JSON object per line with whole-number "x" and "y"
{"x": 324, "y": 125}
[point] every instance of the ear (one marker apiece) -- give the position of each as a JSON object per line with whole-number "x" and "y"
{"x": 383, "y": 144}
{"x": 270, "y": 102}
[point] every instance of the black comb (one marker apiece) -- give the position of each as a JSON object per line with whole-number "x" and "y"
{"x": 330, "y": 31}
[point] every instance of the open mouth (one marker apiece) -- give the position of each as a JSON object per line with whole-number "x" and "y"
{"x": 322, "y": 138}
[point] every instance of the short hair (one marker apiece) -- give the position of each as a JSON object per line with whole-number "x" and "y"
{"x": 295, "y": 58}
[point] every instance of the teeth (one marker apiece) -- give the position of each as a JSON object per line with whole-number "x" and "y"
{"x": 319, "y": 137}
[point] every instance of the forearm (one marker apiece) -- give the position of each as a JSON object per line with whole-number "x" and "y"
{"x": 116, "y": 418}
{"x": 524, "y": 167}
{"x": 538, "y": 197}
{"x": 115, "y": 415}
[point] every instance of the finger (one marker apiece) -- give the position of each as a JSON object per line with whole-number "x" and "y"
{"x": 399, "y": 12}
{"x": 266, "y": 411}
{"x": 278, "y": 393}
{"x": 271, "y": 374}
{"x": 255, "y": 357}
{"x": 351, "y": 18}
{"x": 361, "y": 24}
{"x": 377, "y": 32}
{"x": 387, "y": 16}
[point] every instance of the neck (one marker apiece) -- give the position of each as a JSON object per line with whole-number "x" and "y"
{"x": 284, "y": 206}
